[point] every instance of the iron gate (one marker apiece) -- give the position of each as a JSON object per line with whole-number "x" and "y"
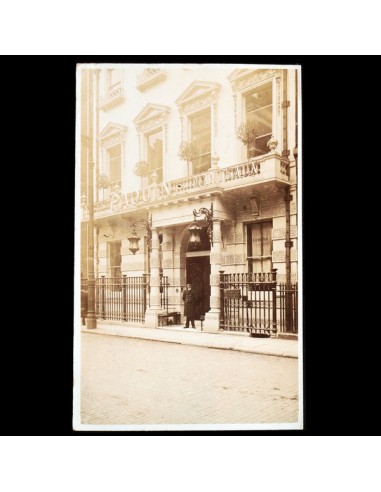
{"x": 254, "y": 302}
{"x": 248, "y": 302}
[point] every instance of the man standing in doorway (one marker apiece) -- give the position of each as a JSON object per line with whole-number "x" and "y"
{"x": 189, "y": 306}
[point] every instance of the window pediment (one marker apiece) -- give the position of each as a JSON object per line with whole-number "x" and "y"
{"x": 150, "y": 116}
{"x": 242, "y": 79}
{"x": 197, "y": 94}
{"x": 150, "y": 76}
{"x": 112, "y": 134}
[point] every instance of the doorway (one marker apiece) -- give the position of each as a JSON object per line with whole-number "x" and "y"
{"x": 198, "y": 275}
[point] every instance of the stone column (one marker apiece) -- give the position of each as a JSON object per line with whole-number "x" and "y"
{"x": 179, "y": 263}
{"x": 168, "y": 265}
{"x": 212, "y": 318}
{"x": 154, "y": 308}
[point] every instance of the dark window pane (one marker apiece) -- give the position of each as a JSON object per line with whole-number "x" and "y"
{"x": 261, "y": 145}
{"x": 259, "y": 247}
{"x": 260, "y": 97}
{"x": 201, "y": 141}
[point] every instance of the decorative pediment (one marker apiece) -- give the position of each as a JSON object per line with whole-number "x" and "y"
{"x": 242, "y": 79}
{"x": 238, "y": 73}
{"x": 197, "y": 94}
{"x": 150, "y": 116}
{"x": 112, "y": 134}
{"x": 150, "y": 76}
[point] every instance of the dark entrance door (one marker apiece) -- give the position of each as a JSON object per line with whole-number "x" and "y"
{"x": 198, "y": 271}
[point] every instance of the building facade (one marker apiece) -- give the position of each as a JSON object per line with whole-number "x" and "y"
{"x": 194, "y": 180}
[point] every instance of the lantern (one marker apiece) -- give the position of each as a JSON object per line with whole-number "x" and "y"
{"x": 134, "y": 242}
{"x": 195, "y": 231}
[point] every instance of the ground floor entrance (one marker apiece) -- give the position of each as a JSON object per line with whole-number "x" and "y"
{"x": 198, "y": 275}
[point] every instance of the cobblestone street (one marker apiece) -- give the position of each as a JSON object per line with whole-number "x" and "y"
{"x": 129, "y": 381}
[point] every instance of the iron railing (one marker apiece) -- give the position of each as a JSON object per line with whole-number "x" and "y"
{"x": 121, "y": 298}
{"x": 254, "y": 302}
{"x": 248, "y": 302}
{"x": 287, "y": 306}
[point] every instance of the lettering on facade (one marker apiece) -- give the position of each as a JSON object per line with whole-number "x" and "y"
{"x": 260, "y": 240}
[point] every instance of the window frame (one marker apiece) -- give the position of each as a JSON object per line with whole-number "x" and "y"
{"x": 254, "y": 149}
{"x": 199, "y": 96}
{"x": 110, "y": 85}
{"x": 249, "y": 245}
{"x": 109, "y": 159}
{"x": 191, "y": 116}
{"x": 243, "y": 82}
{"x": 147, "y": 179}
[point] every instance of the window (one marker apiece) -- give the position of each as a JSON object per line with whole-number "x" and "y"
{"x": 259, "y": 247}
{"x": 115, "y": 158}
{"x": 113, "y": 93}
{"x": 155, "y": 154}
{"x": 259, "y": 108}
{"x": 114, "y": 79}
{"x": 115, "y": 259}
{"x": 201, "y": 141}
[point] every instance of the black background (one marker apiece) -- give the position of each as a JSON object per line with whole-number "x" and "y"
{"x": 37, "y": 362}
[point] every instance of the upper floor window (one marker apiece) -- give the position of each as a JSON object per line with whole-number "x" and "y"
{"x": 154, "y": 142}
{"x": 201, "y": 141}
{"x": 112, "y": 89}
{"x": 198, "y": 115}
{"x": 152, "y": 128}
{"x": 257, "y": 99}
{"x": 114, "y": 78}
{"x": 259, "y": 110}
{"x": 115, "y": 161}
{"x": 259, "y": 247}
{"x": 111, "y": 143}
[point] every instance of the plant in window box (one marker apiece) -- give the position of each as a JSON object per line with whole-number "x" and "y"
{"x": 248, "y": 132}
{"x": 103, "y": 181}
{"x": 141, "y": 168}
{"x": 186, "y": 152}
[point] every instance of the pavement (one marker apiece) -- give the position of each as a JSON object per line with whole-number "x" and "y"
{"x": 239, "y": 341}
{"x": 135, "y": 384}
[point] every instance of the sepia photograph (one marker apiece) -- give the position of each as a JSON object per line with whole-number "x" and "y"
{"x": 188, "y": 247}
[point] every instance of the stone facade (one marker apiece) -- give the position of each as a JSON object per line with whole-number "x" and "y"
{"x": 164, "y": 101}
